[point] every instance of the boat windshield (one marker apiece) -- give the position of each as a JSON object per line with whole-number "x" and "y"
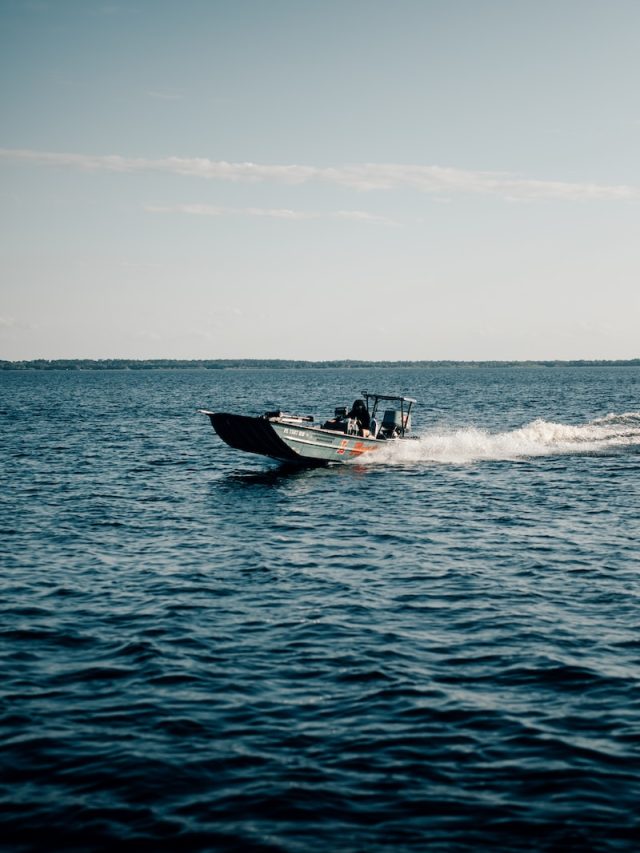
{"x": 399, "y": 412}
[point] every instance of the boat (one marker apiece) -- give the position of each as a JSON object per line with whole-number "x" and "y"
{"x": 297, "y": 438}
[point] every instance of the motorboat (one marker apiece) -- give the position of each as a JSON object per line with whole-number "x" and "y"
{"x": 373, "y": 422}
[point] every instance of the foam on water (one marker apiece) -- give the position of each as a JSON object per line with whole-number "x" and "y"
{"x": 464, "y": 445}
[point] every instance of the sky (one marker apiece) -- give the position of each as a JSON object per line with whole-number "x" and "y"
{"x": 313, "y": 179}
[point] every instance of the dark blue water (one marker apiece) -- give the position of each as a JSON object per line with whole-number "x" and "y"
{"x": 438, "y": 650}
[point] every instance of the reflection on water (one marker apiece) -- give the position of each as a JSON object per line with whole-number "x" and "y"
{"x": 274, "y": 473}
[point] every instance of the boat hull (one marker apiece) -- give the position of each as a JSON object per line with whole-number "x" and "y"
{"x": 321, "y": 445}
{"x": 290, "y": 442}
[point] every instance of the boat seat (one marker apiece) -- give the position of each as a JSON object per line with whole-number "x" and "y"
{"x": 392, "y": 421}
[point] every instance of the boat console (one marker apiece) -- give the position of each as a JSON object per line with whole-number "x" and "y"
{"x": 394, "y": 424}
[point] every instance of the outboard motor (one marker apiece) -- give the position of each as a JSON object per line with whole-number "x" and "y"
{"x": 341, "y": 422}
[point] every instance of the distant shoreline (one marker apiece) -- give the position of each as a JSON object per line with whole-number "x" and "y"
{"x": 274, "y": 363}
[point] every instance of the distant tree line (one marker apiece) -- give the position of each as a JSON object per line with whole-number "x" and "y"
{"x": 278, "y": 363}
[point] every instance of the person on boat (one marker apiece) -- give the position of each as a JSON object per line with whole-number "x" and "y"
{"x": 360, "y": 414}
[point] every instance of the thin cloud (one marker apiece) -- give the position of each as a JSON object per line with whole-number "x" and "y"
{"x": 364, "y": 216}
{"x": 433, "y": 180}
{"x": 269, "y": 212}
{"x": 213, "y": 210}
{"x": 168, "y": 95}
{"x": 11, "y": 324}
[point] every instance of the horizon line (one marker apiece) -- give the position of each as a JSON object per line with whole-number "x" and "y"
{"x": 256, "y": 361}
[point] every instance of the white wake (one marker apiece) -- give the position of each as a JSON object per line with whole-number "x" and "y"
{"x": 539, "y": 438}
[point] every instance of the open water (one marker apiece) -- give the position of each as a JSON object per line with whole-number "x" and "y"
{"x": 436, "y": 650}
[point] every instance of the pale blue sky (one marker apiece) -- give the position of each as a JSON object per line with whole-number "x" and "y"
{"x": 417, "y": 180}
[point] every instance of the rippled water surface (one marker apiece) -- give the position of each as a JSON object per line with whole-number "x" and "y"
{"x": 436, "y": 650}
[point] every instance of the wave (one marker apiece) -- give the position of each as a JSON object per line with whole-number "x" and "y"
{"x": 539, "y": 438}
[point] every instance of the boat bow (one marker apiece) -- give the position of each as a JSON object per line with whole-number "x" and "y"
{"x": 251, "y": 434}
